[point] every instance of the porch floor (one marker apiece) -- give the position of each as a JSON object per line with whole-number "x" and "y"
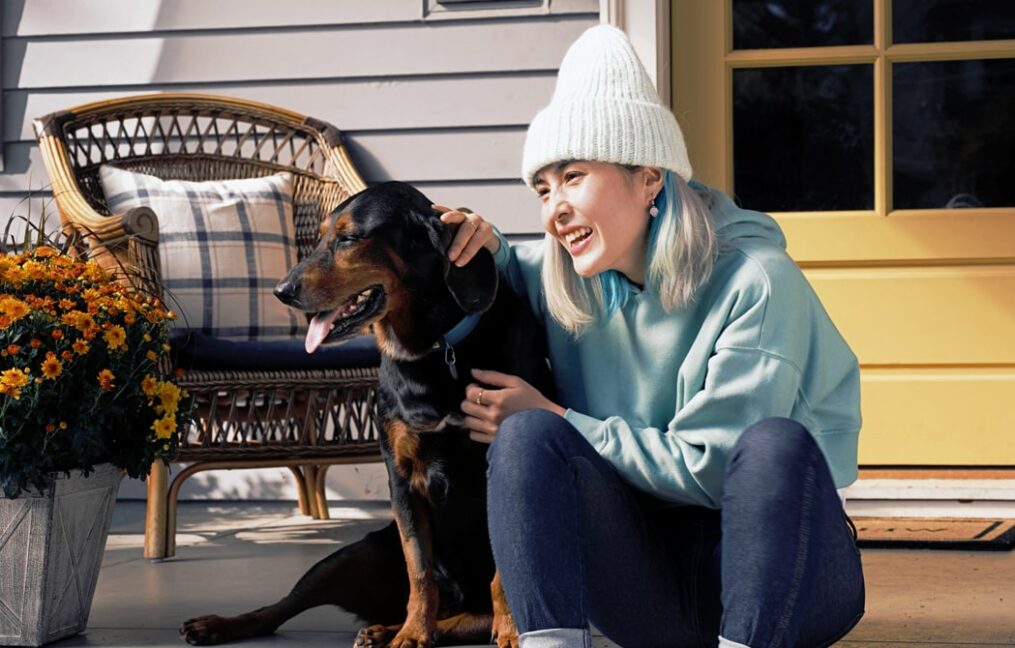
{"x": 234, "y": 557}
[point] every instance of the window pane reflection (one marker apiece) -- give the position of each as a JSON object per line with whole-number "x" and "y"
{"x": 760, "y": 24}
{"x": 933, "y": 21}
{"x": 803, "y": 138}
{"x": 953, "y": 134}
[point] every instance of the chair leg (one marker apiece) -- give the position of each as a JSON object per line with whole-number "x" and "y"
{"x": 320, "y": 494}
{"x": 301, "y": 490}
{"x": 309, "y": 479}
{"x": 155, "y": 512}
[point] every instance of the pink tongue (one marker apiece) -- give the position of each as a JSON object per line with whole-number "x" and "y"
{"x": 320, "y": 326}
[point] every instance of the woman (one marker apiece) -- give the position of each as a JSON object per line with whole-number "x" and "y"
{"x": 682, "y": 492}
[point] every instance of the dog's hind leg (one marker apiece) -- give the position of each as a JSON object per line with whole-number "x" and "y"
{"x": 367, "y": 578}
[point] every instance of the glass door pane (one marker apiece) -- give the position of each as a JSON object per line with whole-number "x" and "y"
{"x": 803, "y": 138}
{"x": 762, "y": 24}
{"x": 953, "y": 134}
{"x": 934, "y": 21}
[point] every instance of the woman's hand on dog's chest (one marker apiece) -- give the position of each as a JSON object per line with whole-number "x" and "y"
{"x": 494, "y": 397}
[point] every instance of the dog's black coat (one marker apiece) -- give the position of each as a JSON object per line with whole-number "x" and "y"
{"x": 437, "y": 475}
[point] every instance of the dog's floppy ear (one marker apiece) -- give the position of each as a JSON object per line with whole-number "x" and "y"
{"x": 474, "y": 286}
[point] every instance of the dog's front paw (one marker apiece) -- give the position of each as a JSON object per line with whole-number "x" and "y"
{"x": 379, "y": 636}
{"x": 504, "y": 634}
{"x": 375, "y": 636}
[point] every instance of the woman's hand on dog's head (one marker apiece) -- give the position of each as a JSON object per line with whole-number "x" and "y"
{"x": 495, "y": 397}
{"x": 473, "y": 233}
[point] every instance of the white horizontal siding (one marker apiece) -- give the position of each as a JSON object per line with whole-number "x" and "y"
{"x": 51, "y": 17}
{"x": 342, "y": 52}
{"x": 357, "y": 105}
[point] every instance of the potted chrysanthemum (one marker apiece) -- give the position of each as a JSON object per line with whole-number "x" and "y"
{"x": 83, "y": 400}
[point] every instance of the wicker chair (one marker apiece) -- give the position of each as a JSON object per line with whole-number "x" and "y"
{"x": 304, "y": 420}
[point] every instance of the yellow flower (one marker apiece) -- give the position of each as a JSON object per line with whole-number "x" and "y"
{"x": 12, "y": 381}
{"x": 106, "y": 379}
{"x": 14, "y": 307}
{"x": 16, "y": 276}
{"x": 151, "y": 355}
{"x": 165, "y": 426}
{"x": 116, "y": 338}
{"x": 51, "y": 367}
{"x": 169, "y": 394}
{"x": 148, "y": 385}
{"x": 14, "y": 377}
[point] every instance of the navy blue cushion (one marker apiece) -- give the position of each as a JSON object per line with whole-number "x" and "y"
{"x": 199, "y": 351}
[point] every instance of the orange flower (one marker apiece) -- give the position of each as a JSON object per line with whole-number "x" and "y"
{"x": 66, "y": 355}
{"x": 68, "y": 304}
{"x": 106, "y": 379}
{"x": 50, "y": 428}
{"x": 57, "y": 334}
{"x": 44, "y": 252}
{"x": 116, "y": 338}
{"x": 151, "y": 355}
{"x": 36, "y": 343}
{"x": 80, "y": 347}
{"x": 51, "y": 367}
{"x": 12, "y": 349}
{"x": 130, "y": 318}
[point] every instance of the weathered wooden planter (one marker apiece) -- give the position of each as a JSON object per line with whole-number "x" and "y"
{"x": 51, "y": 546}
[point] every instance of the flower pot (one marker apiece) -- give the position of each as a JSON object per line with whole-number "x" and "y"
{"x": 51, "y": 546}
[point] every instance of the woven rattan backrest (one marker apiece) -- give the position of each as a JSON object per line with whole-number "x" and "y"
{"x": 195, "y": 137}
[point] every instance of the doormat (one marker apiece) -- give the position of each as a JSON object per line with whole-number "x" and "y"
{"x": 936, "y": 533}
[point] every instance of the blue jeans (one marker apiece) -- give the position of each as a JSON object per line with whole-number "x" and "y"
{"x": 777, "y": 566}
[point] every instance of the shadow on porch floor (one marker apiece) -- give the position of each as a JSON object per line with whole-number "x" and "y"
{"x": 920, "y": 599}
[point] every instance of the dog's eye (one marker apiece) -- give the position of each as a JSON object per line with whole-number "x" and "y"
{"x": 344, "y": 239}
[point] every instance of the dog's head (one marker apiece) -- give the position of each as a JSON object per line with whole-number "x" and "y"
{"x": 382, "y": 260}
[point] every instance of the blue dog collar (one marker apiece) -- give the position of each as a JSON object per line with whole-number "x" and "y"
{"x": 455, "y": 336}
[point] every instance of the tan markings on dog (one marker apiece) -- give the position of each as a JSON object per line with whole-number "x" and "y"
{"x": 424, "y": 599}
{"x": 334, "y": 225}
{"x": 404, "y": 444}
{"x": 504, "y": 629}
{"x": 394, "y": 332}
{"x": 351, "y": 270}
{"x": 401, "y": 267}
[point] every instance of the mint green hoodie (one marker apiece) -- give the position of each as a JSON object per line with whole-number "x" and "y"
{"x": 663, "y": 396}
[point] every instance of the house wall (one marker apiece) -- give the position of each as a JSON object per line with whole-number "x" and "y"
{"x": 436, "y": 97}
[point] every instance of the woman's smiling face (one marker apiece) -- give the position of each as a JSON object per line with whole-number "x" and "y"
{"x": 598, "y": 212}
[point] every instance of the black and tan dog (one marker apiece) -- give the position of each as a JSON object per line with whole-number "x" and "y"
{"x": 428, "y": 577}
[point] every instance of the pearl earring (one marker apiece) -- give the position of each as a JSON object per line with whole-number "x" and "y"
{"x": 653, "y": 211}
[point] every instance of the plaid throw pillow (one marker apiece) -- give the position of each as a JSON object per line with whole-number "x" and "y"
{"x": 224, "y": 245}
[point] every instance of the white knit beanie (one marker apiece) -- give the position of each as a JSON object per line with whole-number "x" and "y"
{"x": 605, "y": 109}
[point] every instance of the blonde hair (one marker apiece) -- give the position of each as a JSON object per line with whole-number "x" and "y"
{"x": 682, "y": 246}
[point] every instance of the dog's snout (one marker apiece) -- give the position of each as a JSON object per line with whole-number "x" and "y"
{"x": 288, "y": 290}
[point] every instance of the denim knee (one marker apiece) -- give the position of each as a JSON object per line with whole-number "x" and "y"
{"x": 523, "y": 435}
{"x": 770, "y": 450}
